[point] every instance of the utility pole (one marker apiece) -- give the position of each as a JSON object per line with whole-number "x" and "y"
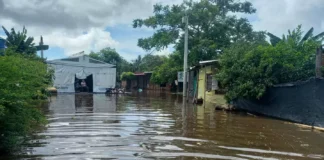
{"x": 41, "y": 43}
{"x": 41, "y": 47}
{"x": 185, "y": 59}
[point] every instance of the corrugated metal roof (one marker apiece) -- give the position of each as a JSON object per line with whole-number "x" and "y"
{"x": 207, "y": 62}
{"x": 148, "y": 72}
{"x": 65, "y": 61}
{"x": 139, "y": 74}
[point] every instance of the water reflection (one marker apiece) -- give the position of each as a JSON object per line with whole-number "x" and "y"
{"x": 83, "y": 103}
{"x": 153, "y": 125}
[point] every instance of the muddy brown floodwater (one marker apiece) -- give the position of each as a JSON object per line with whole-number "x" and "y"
{"x": 153, "y": 125}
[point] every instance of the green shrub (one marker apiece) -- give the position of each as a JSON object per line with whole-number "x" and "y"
{"x": 248, "y": 70}
{"x": 23, "y": 82}
{"x": 167, "y": 72}
{"x": 322, "y": 70}
{"x": 127, "y": 76}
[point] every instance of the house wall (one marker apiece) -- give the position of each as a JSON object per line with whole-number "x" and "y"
{"x": 143, "y": 82}
{"x": 192, "y": 84}
{"x": 202, "y": 81}
{"x": 140, "y": 82}
{"x": 133, "y": 83}
{"x": 124, "y": 84}
{"x": 65, "y": 77}
{"x": 211, "y": 97}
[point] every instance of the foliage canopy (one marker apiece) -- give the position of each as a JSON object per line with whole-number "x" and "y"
{"x": 248, "y": 69}
{"x": 211, "y": 27}
{"x": 167, "y": 71}
{"x": 127, "y": 76}
{"x": 23, "y": 82}
{"x": 111, "y": 56}
{"x": 20, "y": 42}
{"x": 294, "y": 34}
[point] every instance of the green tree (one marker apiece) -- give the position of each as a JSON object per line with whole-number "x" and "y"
{"x": 137, "y": 64}
{"x": 167, "y": 71}
{"x": 20, "y": 42}
{"x": 24, "y": 79}
{"x": 249, "y": 69}
{"x": 294, "y": 34}
{"x": 210, "y": 27}
{"x": 22, "y": 82}
{"x": 149, "y": 62}
{"x": 111, "y": 56}
{"x": 108, "y": 55}
{"x": 127, "y": 76}
{"x": 125, "y": 66}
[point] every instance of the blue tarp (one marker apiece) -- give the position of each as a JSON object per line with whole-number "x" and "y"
{"x": 2, "y": 43}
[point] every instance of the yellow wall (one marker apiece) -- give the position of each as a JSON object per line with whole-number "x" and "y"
{"x": 211, "y": 97}
{"x": 202, "y": 80}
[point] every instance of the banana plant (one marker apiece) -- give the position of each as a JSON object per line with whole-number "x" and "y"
{"x": 295, "y": 35}
{"x": 20, "y": 41}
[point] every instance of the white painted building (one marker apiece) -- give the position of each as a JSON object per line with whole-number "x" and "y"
{"x": 70, "y": 71}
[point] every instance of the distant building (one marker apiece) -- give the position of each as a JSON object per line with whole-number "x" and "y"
{"x": 142, "y": 81}
{"x": 70, "y": 71}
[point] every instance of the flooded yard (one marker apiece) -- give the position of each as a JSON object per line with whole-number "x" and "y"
{"x": 154, "y": 125}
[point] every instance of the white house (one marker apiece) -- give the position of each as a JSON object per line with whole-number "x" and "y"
{"x": 69, "y": 71}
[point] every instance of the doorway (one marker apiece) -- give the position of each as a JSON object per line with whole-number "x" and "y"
{"x": 88, "y": 81}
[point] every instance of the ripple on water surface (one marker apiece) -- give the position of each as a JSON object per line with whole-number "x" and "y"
{"x": 156, "y": 126}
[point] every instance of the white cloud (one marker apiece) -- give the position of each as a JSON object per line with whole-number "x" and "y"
{"x": 75, "y": 25}
{"x": 277, "y": 16}
{"x": 63, "y": 23}
{"x": 94, "y": 40}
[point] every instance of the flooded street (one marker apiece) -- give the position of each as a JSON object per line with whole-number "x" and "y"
{"x": 155, "y": 125}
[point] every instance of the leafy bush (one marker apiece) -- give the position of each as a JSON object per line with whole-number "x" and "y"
{"x": 322, "y": 70}
{"x": 127, "y": 76}
{"x": 23, "y": 82}
{"x": 249, "y": 69}
{"x": 168, "y": 71}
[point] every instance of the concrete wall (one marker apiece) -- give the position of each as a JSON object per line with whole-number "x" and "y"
{"x": 202, "y": 81}
{"x": 211, "y": 97}
{"x": 301, "y": 102}
{"x": 149, "y": 86}
{"x": 124, "y": 84}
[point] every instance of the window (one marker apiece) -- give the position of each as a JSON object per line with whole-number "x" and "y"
{"x": 212, "y": 83}
{"x": 209, "y": 82}
{"x": 71, "y": 59}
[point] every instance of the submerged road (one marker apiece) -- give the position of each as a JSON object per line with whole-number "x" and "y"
{"x": 153, "y": 125}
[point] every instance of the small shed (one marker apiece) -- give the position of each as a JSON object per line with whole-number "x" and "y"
{"x": 70, "y": 71}
{"x": 202, "y": 81}
{"x": 142, "y": 80}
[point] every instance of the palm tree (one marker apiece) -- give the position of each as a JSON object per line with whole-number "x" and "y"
{"x": 296, "y": 35}
{"x": 20, "y": 41}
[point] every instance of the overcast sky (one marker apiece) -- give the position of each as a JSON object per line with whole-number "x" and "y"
{"x": 71, "y": 26}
